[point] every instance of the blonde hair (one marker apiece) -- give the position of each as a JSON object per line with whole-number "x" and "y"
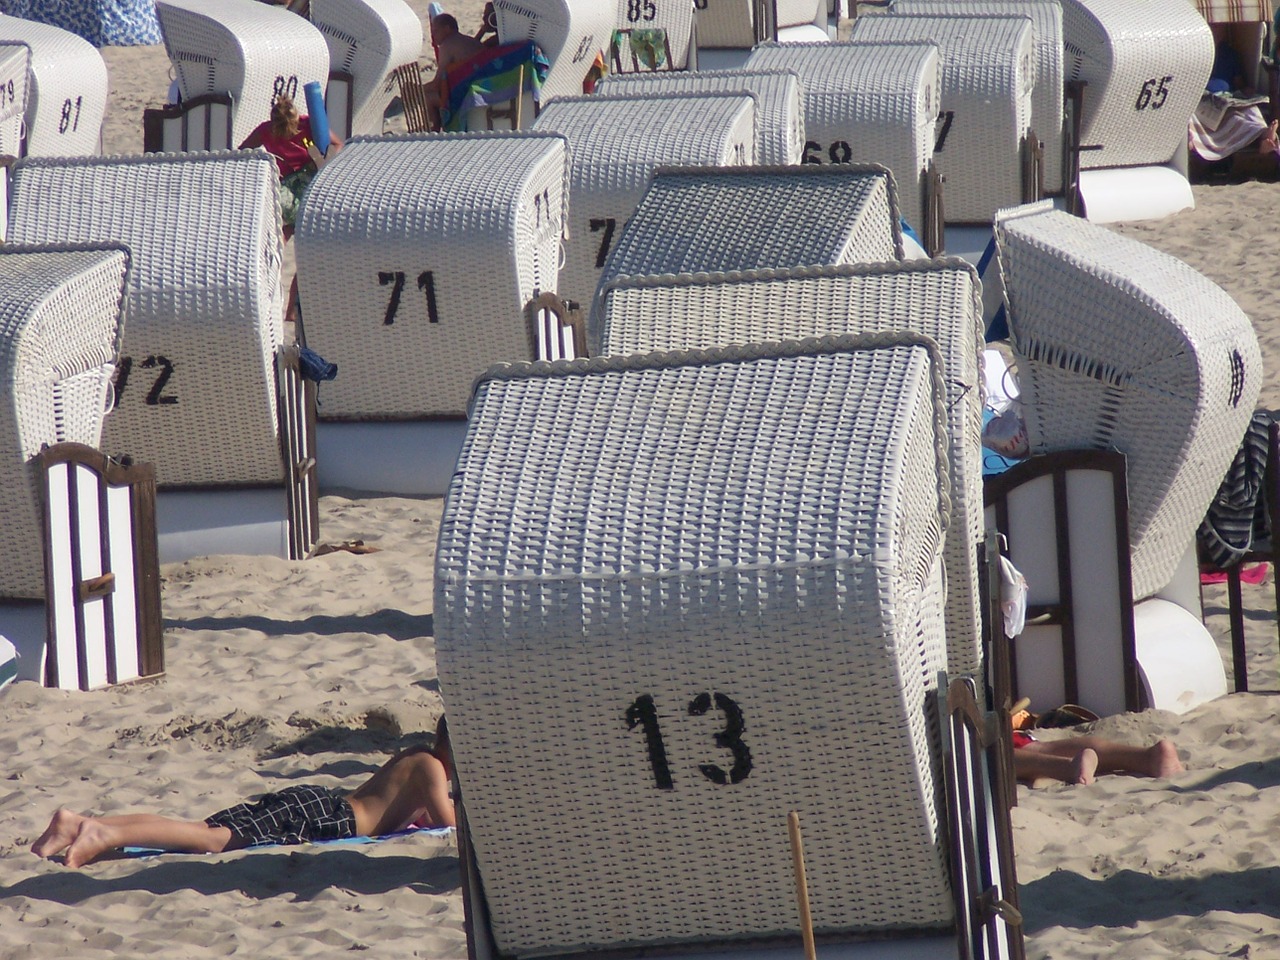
{"x": 284, "y": 117}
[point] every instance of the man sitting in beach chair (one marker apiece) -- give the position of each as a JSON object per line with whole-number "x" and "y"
{"x": 452, "y": 47}
{"x": 411, "y": 789}
{"x": 494, "y": 76}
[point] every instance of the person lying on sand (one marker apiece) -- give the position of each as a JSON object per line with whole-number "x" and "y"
{"x": 1082, "y": 759}
{"x": 410, "y": 789}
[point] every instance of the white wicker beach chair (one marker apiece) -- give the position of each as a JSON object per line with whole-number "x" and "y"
{"x": 697, "y": 579}
{"x": 867, "y": 103}
{"x": 417, "y": 257}
{"x": 704, "y": 220}
{"x": 1122, "y": 347}
{"x": 60, "y": 328}
{"x": 741, "y": 24}
{"x": 571, "y": 34}
{"x": 15, "y": 63}
{"x": 196, "y": 393}
{"x": 67, "y": 97}
{"x": 85, "y": 610}
{"x": 937, "y": 298}
{"x": 1047, "y": 97}
{"x": 988, "y": 72}
{"x": 673, "y": 17}
{"x": 615, "y": 142}
{"x": 251, "y": 50}
{"x": 367, "y": 40}
{"x": 778, "y": 95}
{"x": 1144, "y": 76}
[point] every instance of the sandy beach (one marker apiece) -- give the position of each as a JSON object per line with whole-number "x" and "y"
{"x": 282, "y": 672}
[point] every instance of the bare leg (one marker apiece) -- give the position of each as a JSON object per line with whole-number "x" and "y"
{"x": 1158, "y": 760}
{"x": 86, "y": 838}
{"x": 1031, "y": 764}
{"x": 409, "y": 785}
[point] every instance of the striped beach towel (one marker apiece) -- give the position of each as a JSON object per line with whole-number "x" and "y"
{"x": 491, "y": 77}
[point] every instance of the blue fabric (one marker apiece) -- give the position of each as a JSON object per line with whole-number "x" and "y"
{"x": 992, "y": 462}
{"x": 104, "y": 23}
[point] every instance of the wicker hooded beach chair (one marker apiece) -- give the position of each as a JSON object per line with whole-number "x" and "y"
{"x": 61, "y": 319}
{"x": 777, "y": 92}
{"x": 204, "y": 378}
{"x": 868, "y": 103}
{"x": 417, "y": 258}
{"x": 1047, "y": 117}
{"x": 673, "y": 17}
{"x": 67, "y": 97}
{"x": 936, "y": 298}
{"x": 615, "y": 143}
{"x": 250, "y": 50}
{"x": 367, "y": 39}
{"x": 1121, "y": 347}
{"x": 988, "y": 71}
{"x": 570, "y": 33}
{"x": 704, "y": 585}
{"x": 704, "y": 220}
{"x": 1143, "y": 77}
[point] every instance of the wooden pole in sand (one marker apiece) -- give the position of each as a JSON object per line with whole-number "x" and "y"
{"x": 802, "y": 885}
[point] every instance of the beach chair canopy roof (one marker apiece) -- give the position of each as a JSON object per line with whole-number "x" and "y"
{"x": 937, "y": 298}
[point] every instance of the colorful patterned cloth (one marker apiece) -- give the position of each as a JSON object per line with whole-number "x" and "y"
{"x": 492, "y": 77}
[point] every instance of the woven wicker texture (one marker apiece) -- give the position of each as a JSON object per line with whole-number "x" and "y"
{"x": 747, "y": 218}
{"x": 15, "y": 59}
{"x": 1122, "y": 347}
{"x": 60, "y": 319}
{"x": 1145, "y": 76}
{"x": 663, "y": 541}
{"x": 675, "y": 17}
{"x": 867, "y": 103}
{"x": 248, "y": 49}
{"x": 368, "y": 39}
{"x": 196, "y": 392}
{"x": 67, "y": 97}
{"x": 417, "y": 256}
{"x": 937, "y": 298}
{"x": 988, "y": 73}
{"x": 726, "y": 24}
{"x": 795, "y": 13}
{"x": 570, "y": 33}
{"x": 778, "y": 99}
{"x": 1046, "y": 98}
{"x": 615, "y": 142}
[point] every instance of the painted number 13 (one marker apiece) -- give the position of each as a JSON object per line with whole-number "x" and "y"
{"x": 643, "y": 713}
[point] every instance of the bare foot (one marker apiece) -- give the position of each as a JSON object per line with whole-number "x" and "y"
{"x": 1084, "y": 766}
{"x": 93, "y": 839}
{"x": 62, "y": 829}
{"x": 1164, "y": 760}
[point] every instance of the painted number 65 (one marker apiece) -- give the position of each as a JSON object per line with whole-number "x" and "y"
{"x": 1153, "y": 94}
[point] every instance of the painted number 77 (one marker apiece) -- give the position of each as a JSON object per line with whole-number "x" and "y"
{"x": 395, "y": 280}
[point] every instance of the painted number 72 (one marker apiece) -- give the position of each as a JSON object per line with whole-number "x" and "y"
{"x": 395, "y": 280}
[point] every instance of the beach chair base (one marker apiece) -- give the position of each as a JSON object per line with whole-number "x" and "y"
{"x": 1178, "y": 658}
{"x": 1134, "y": 193}
{"x": 26, "y": 626}
{"x": 198, "y": 523}
{"x": 396, "y": 457}
{"x": 978, "y": 762}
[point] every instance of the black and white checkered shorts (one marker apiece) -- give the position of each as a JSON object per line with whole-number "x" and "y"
{"x": 294, "y": 815}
